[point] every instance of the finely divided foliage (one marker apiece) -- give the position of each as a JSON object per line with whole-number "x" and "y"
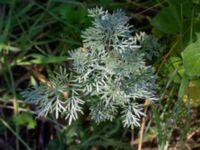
{"x": 109, "y": 74}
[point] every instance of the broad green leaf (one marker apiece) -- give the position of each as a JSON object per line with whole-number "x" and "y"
{"x": 191, "y": 58}
{"x": 167, "y": 20}
{"x": 183, "y": 7}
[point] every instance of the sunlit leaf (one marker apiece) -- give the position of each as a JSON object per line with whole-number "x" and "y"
{"x": 191, "y": 58}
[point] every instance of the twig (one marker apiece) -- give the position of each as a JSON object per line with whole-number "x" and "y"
{"x": 5, "y": 101}
{"x": 189, "y": 137}
{"x": 19, "y": 109}
{"x": 132, "y": 138}
{"x": 142, "y": 131}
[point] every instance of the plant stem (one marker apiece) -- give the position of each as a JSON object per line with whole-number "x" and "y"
{"x": 5, "y": 38}
{"x": 15, "y": 104}
{"x": 142, "y": 130}
{"x": 191, "y": 25}
{"x": 16, "y": 134}
{"x": 132, "y": 138}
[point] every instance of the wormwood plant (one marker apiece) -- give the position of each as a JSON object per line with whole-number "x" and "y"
{"x": 109, "y": 74}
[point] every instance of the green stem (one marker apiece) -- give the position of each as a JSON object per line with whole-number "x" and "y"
{"x": 15, "y": 104}
{"x": 181, "y": 28}
{"x": 191, "y": 25}
{"x": 5, "y": 34}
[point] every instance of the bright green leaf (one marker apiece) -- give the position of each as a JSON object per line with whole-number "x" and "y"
{"x": 191, "y": 58}
{"x": 25, "y": 119}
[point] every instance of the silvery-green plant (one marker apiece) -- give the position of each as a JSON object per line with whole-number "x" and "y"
{"x": 109, "y": 73}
